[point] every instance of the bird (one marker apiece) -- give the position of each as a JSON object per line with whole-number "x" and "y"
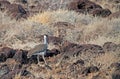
{"x": 39, "y": 50}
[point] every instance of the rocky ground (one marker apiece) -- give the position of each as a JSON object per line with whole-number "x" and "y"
{"x": 18, "y": 9}
{"x": 72, "y": 61}
{"x": 67, "y": 59}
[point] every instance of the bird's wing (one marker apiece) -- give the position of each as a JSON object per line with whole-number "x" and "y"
{"x": 36, "y": 49}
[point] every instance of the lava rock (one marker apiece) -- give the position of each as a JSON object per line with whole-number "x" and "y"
{"x": 115, "y": 66}
{"x": 83, "y": 6}
{"x": 3, "y": 5}
{"x": 114, "y": 15}
{"x": 86, "y": 6}
{"x": 10, "y": 75}
{"x": 76, "y": 49}
{"x": 15, "y": 11}
{"x": 6, "y": 52}
{"x": 91, "y": 69}
{"x": 116, "y": 74}
{"x": 52, "y": 52}
{"x": 81, "y": 62}
{"x": 101, "y": 12}
{"x": 4, "y": 69}
{"x": 109, "y": 46}
{"x": 21, "y": 56}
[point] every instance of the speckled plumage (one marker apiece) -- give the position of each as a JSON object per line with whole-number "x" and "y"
{"x": 38, "y": 49}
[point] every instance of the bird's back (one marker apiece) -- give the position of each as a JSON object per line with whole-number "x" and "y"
{"x": 37, "y": 49}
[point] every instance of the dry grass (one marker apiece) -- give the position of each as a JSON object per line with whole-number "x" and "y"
{"x": 87, "y": 29}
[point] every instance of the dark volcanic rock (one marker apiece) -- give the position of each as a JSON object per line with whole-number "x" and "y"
{"x": 83, "y": 6}
{"x": 101, "y": 12}
{"x": 2, "y": 57}
{"x": 21, "y": 1}
{"x": 33, "y": 59}
{"x": 115, "y": 66}
{"x": 91, "y": 69}
{"x": 116, "y": 75}
{"x": 67, "y": 46}
{"x": 76, "y": 68}
{"x": 81, "y": 62}
{"x": 4, "y": 69}
{"x": 16, "y": 11}
{"x": 6, "y": 52}
{"x": 114, "y": 15}
{"x": 3, "y": 5}
{"x": 116, "y": 70}
{"x": 86, "y": 6}
{"x": 11, "y": 74}
{"x": 76, "y": 50}
{"x": 114, "y": 1}
{"x": 109, "y": 46}
{"x": 52, "y": 52}
{"x": 21, "y": 56}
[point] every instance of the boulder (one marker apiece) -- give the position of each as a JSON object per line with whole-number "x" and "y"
{"x": 81, "y": 62}
{"x": 116, "y": 75}
{"x": 114, "y": 1}
{"x": 76, "y": 67}
{"x": 83, "y": 6}
{"x": 114, "y": 15}
{"x": 91, "y": 69}
{"x": 110, "y": 46}
{"x": 86, "y": 6}
{"x": 17, "y": 11}
{"x": 52, "y": 52}
{"x": 6, "y": 52}
{"x": 76, "y": 49}
{"x": 4, "y": 69}
{"x": 101, "y": 12}
{"x": 21, "y": 56}
{"x": 3, "y": 5}
{"x": 115, "y": 66}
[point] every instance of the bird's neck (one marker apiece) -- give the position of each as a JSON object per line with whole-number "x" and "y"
{"x": 45, "y": 40}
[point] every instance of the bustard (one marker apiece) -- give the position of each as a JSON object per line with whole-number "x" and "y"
{"x": 39, "y": 50}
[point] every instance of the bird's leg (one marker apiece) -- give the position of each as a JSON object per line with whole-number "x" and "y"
{"x": 46, "y": 65}
{"x": 38, "y": 59}
{"x": 44, "y": 59}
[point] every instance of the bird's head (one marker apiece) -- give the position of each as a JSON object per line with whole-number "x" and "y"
{"x": 45, "y": 36}
{"x": 45, "y": 39}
